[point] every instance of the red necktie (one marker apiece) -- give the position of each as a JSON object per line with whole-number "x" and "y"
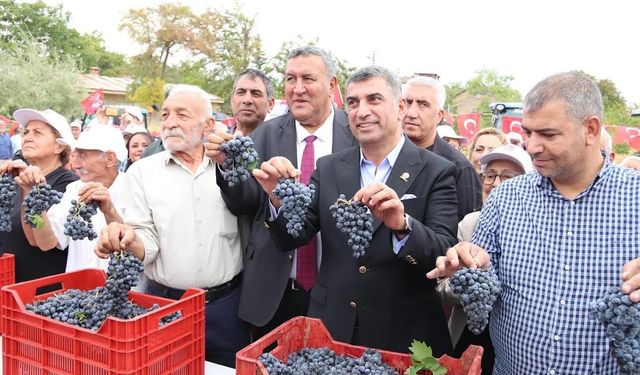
{"x": 306, "y": 266}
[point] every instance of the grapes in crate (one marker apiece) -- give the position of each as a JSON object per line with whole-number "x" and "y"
{"x": 354, "y": 219}
{"x": 320, "y": 361}
{"x": 8, "y": 191}
{"x": 90, "y": 308}
{"x": 78, "y": 225}
{"x": 241, "y": 159}
{"x": 295, "y": 199}
{"x": 477, "y": 291}
{"x": 39, "y": 200}
{"x": 621, "y": 319}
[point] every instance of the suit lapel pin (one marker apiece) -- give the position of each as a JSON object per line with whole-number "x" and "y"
{"x": 404, "y": 177}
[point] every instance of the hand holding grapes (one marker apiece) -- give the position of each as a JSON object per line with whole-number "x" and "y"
{"x": 96, "y": 192}
{"x": 28, "y": 176}
{"x": 384, "y": 204}
{"x": 463, "y": 254}
{"x": 271, "y": 171}
{"x": 117, "y": 237}
{"x": 213, "y": 142}
{"x": 631, "y": 279}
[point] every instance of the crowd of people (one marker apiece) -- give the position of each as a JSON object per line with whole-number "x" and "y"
{"x": 553, "y": 216}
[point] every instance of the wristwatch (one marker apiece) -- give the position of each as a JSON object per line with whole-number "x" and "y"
{"x": 408, "y": 226}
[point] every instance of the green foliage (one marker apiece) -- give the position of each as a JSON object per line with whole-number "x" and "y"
{"x": 149, "y": 92}
{"x": 47, "y": 26}
{"x": 31, "y": 79}
{"x": 422, "y": 359}
{"x": 622, "y": 148}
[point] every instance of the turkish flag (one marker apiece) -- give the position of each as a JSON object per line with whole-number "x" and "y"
{"x": 513, "y": 124}
{"x": 468, "y": 125}
{"x": 93, "y": 102}
{"x": 337, "y": 96}
{"x": 628, "y": 135}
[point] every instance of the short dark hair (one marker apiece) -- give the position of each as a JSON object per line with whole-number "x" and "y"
{"x": 366, "y": 73}
{"x": 253, "y": 74}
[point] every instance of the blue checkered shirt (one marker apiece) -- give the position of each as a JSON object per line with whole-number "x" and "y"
{"x": 554, "y": 256}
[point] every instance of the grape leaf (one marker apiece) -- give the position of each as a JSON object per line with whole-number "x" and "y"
{"x": 422, "y": 359}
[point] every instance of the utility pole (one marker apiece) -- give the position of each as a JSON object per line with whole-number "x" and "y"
{"x": 372, "y": 57}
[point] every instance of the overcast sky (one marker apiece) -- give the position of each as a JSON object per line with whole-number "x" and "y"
{"x": 454, "y": 38}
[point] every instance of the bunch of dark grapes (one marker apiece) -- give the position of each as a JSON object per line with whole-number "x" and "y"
{"x": 89, "y": 309}
{"x": 320, "y": 361}
{"x": 39, "y": 199}
{"x": 477, "y": 291}
{"x": 78, "y": 225}
{"x": 354, "y": 219}
{"x": 8, "y": 191}
{"x": 241, "y": 159}
{"x": 621, "y": 318}
{"x": 295, "y": 199}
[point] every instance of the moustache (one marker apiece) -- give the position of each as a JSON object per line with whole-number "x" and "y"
{"x": 177, "y": 132}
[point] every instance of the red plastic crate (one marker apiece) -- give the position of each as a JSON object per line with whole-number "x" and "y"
{"x": 302, "y": 332}
{"x": 34, "y": 344}
{"x": 7, "y": 276}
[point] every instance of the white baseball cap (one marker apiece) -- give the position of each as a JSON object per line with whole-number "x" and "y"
{"x": 508, "y": 152}
{"x": 135, "y": 112}
{"x": 513, "y": 136}
{"x": 103, "y": 138}
{"x": 50, "y": 117}
{"x": 446, "y": 131}
{"x": 75, "y": 124}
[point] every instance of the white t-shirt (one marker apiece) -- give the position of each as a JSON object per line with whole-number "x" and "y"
{"x": 81, "y": 252}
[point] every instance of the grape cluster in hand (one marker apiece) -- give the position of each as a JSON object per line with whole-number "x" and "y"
{"x": 78, "y": 225}
{"x": 477, "y": 291}
{"x": 90, "y": 308}
{"x": 321, "y": 361}
{"x": 295, "y": 199}
{"x": 241, "y": 159}
{"x": 621, "y": 319}
{"x": 39, "y": 199}
{"x": 8, "y": 191}
{"x": 354, "y": 219}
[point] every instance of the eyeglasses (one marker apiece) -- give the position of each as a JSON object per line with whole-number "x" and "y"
{"x": 489, "y": 177}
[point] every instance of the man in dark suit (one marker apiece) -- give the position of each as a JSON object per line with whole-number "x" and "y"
{"x": 271, "y": 293}
{"x": 380, "y": 299}
{"x": 425, "y": 99}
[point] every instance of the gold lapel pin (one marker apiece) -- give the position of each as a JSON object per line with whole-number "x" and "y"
{"x": 404, "y": 177}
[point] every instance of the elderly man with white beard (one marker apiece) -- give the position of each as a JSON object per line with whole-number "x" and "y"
{"x": 177, "y": 223}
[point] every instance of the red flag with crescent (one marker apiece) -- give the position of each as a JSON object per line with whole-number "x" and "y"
{"x": 468, "y": 124}
{"x": 628, "y": 135}
{"x": 513, "y": 124}
{"x": 93, "y": 102}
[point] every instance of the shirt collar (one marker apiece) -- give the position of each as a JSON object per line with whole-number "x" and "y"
{"x": 323, "y": 133}
{"x": 168, "y": 157}
{"x": 391, "y": 156}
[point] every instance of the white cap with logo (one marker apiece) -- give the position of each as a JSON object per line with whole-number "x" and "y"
{"x": 105, "y": 139}
{"x": 50, "y": 117}
{"x": 508, "y": 152}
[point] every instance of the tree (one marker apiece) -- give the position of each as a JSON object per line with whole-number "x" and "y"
{"x": 149, "y": 93}
{"x": 167, "y": 29}
{"x": 48, "y": 27}
{"x": 31, "y": 79}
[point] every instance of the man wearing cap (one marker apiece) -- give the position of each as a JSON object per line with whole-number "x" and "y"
{"x": 132, "y": 121}
{"x": 425, "y": 99}
{"x": 515, "y": 138}
{"x": 100, "y": 119}
{"x": 446, "y": 132}
{"x": 96, "y": 159}
{"x": 76, "y": 129}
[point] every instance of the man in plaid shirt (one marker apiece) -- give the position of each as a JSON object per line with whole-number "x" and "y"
{"x": 557, "y": 238}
